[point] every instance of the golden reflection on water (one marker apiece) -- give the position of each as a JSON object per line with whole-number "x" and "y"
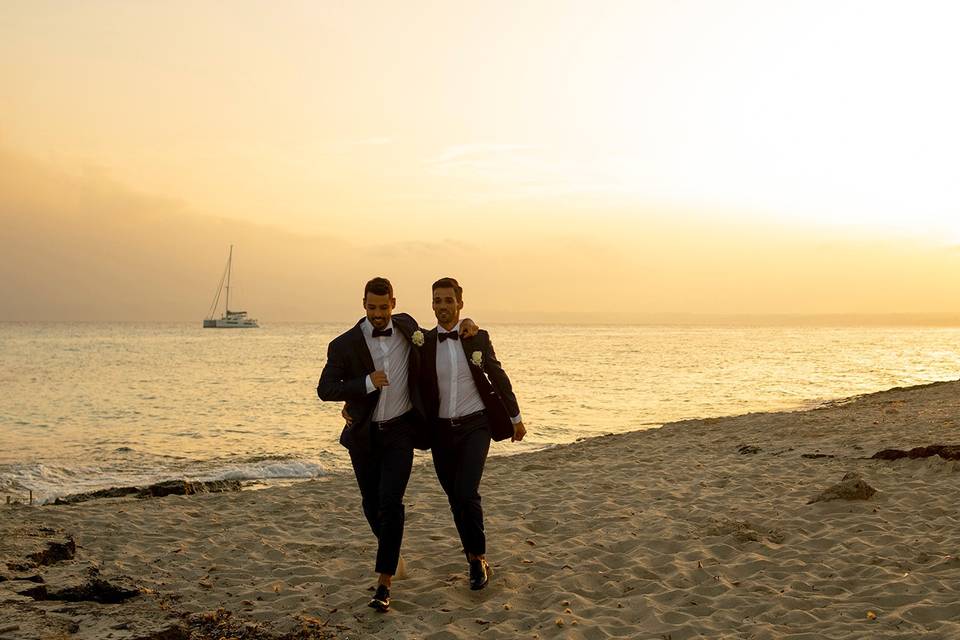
{"x": 117, "y": 401}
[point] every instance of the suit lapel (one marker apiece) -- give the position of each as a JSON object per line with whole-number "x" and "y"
{"x": 362, "y": 348}
{"x": 428, "y": 366}
{"x": 402, "y": 327}
{"x": 476, "y": 345}
{"x": 469, "y": 345}
{"x": 430, "y": 352}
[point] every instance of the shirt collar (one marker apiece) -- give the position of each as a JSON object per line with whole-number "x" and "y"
{"x": 368, "y": 327}
{"x": 456, "y": 329}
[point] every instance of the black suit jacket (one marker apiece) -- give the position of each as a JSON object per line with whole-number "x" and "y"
{"x": 492, "y": 382}
{"x": 344, "y": 378}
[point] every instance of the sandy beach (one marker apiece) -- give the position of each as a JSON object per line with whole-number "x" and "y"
{"x": 698, "y": 529}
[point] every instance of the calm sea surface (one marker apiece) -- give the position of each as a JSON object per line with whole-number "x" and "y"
{"x": 87, "y": 406}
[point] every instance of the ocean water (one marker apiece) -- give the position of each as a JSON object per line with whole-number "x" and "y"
{"x": 89, "y": 406}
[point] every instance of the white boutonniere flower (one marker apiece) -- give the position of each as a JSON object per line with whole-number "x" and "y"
{"x": 476, "y": 358}
{"x": 417, "y": 338}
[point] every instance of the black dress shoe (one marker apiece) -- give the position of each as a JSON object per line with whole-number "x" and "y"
{"x": 381, "y": 599}
{"x": 480, "y": 573}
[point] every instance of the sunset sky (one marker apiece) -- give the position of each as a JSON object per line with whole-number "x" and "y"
{"x": 609, "y": 158}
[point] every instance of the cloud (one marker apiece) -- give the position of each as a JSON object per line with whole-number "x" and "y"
{"x": 79, "y": 246}
{"x": 82, "y": 247}
{"x": 472, "y": 152}
{"x": 421, "y": 249}
{"x": 372, "y": 142}
{"x": 516, "y": 172}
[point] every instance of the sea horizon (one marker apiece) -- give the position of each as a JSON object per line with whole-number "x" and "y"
{"x": 849, "y": 320}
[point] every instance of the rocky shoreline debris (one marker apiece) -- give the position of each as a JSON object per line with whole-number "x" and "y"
{"x": 945, "y": 451}
{"x": 851, "y": 487}
{"x": 46, "y": 591}
{"x": 156, "y": 490}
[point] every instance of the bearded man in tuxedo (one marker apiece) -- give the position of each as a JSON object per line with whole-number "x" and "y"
{"x": 469, "y": 400}
{"x": 375, "y": 369}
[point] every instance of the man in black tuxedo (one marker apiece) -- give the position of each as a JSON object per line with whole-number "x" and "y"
{"x": 375, "y": 368}
{"x": 469, "y": 400}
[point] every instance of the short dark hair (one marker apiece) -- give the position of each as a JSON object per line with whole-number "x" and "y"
{"x": 449, "y": 283}
{"x": 378, "y": 287}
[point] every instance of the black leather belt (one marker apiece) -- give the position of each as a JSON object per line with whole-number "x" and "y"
{"x": 386, "y": 423}
{"x": 462, "y": 420}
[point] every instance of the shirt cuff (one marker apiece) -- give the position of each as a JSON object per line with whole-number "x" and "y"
{"x": 516, "y": 419}
{"x": 370, "y": 387}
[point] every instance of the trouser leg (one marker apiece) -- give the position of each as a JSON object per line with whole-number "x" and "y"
{"x": 445, "y": 461}
{"x": 459, "y": 460}
{"x": 396, "y": 464}
{"x": 466, "y": 489}
{"x": 382, "y": 474}
{"x": 366, "y": 468}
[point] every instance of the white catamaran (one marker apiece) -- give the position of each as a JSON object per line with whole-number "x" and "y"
{"x": 229, "y": 319}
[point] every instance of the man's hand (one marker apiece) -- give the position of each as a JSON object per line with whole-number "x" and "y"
{"x": 468, "y": 328}
{"x": 346, "y": 416}
{"x": 379, "y": 379}
{"x": 518, "y": 432}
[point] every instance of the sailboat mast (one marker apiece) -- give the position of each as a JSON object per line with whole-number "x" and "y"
{"x": 229, "y": 263}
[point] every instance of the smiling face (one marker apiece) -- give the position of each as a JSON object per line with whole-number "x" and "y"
{"x": 446, "y": 307}
{"x": 379, "y": 308}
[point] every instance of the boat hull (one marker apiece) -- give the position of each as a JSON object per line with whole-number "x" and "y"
{"x": 220, "y": 323}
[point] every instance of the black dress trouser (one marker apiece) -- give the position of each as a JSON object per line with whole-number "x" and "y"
{"x": 459, "y": 454}
{"x": 382, "y": 473}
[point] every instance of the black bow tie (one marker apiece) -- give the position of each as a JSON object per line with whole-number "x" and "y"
{"x": 382, "y": 332}
{"x": 453, "y": 335}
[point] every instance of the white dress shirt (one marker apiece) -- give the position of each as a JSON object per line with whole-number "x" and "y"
{"x": 458, "y": 392}
{"x": 392, "y": 355}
